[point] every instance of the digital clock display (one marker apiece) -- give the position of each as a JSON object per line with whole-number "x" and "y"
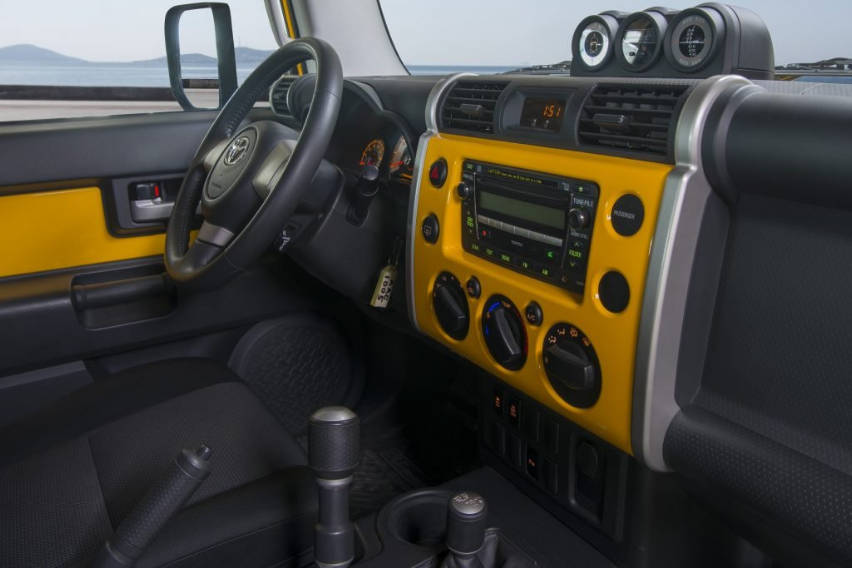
{"x": 541, "y": 113}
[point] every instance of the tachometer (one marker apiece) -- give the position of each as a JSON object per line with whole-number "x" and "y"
{"x": 592, "y": 42}
{"x": 373, "y": 153}
{"x": 640, "y": 40}
{"x": 694, "y": 38}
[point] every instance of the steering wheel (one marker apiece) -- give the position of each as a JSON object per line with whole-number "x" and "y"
{"x": 250, "y": 180}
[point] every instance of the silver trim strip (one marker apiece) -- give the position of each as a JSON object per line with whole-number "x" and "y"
{"x": 414, "y": 197}
{"x": 685, "y": 195}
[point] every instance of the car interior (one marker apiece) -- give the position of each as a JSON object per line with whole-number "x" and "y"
{"x": 469, "y": 320}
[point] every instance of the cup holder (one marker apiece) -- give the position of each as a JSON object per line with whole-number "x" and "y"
{"x": 419, "y": 518}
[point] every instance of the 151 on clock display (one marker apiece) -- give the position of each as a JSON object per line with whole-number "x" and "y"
{"x": 542, "y": 113}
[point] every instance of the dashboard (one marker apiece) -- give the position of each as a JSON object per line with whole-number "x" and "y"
{"x": 608, "y": 244}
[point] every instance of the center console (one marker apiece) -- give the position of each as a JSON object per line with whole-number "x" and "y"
{"x": 530, "y": 261}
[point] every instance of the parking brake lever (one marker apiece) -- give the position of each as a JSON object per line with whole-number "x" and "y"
{"x": 188, "y": 470}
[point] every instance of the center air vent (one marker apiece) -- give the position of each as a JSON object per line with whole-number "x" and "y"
{"x": 278, "y": 95}
{"x": 631, "y": 117}
{"x": 470, "y": 106}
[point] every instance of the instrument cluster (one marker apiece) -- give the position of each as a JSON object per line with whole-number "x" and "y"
{"x": 661, "y": 42}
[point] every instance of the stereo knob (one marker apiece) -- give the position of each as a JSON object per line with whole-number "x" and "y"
{"x": 450, "y": 305}
{"x": 571, "y": 365}
{"x": 505, "y": 335}
{"x": 463, "y": 190}
{"x": 578, "y": 218}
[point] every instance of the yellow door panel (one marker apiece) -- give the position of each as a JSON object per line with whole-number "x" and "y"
{"x": 61, "y": 229}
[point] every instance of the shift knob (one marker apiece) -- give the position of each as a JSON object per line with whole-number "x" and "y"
{"x": 333, "y": 451}
{"x": 334, "y": 445}
{"x": 466, "y": 523}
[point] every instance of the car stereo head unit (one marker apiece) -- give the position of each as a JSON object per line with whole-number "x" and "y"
{"x": 533, "y": 223}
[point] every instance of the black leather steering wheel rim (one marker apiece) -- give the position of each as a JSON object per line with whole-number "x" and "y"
{"x": 212, "y": 259}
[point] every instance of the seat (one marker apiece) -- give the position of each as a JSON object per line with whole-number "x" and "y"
{"x": 71, "y": 472}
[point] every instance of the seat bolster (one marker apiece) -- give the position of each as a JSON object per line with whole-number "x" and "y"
{"x": 264, "y": 523}
{"x": 106, "y": 400}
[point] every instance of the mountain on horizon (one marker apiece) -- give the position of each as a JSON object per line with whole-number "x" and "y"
{"x": 33, "y": 54}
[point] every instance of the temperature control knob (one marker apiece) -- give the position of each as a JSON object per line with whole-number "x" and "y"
{"x": 450, "y": 304}
{"x": 572, "y": 365}
{"x": 505, "y": 336}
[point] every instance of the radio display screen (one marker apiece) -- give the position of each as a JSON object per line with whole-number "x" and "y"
{"x": 542, "y": 113}
{"x": 534, "y": 212}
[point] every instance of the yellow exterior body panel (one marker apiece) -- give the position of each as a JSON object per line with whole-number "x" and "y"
{"x": 613, "y": 335}
{"x": 61, "y": 229}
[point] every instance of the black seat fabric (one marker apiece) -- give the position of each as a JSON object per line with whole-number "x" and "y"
{"x": 73, "y": 471}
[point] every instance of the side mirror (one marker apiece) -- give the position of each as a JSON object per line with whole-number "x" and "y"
{"x": 224, "y": 50}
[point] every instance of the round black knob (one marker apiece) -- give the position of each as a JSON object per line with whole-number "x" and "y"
{"x": 463, "y": 190}
{"x": 505, "y": 335}
{"x": 578, "y": 218}
{"x": 467, "y": 519}
{"x": 430, "y": 229}
{"x": 571, "y": 365}
{"x": 450, "y": 305}
{"x": 334, "y": 444}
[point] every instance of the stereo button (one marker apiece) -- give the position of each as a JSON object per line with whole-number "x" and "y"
{"x": 627, "y": 215}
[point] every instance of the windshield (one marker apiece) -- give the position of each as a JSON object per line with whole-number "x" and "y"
{"x": 489, "y": 36}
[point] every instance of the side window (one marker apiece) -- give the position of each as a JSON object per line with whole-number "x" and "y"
{"x": 61, "y": 59}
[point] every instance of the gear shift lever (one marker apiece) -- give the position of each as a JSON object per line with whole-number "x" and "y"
{"x": 333, "y": 452}
{"x": 466, "y": 524}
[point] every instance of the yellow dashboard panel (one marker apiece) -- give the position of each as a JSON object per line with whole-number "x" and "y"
{"x": 613, "y": 335}
{"x": 60, "y": 229}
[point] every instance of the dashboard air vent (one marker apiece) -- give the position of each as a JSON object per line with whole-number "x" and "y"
{"x": 278, "y": 95}
{"x": 470, "y": 105}
{"x": 631, "y": 117}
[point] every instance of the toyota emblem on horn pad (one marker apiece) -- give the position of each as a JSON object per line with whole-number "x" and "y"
{"x": 237, "y": 150}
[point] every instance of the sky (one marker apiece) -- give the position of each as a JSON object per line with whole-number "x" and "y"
{"x": 524, "y": 32}
{"x": 124, "y": 30}
{"x": 461, "y": 32}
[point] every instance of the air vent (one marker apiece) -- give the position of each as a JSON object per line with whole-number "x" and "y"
{"x": 631, "y": 117}
{"x": 278, "y": 95}
{"x": 470, "y": 106}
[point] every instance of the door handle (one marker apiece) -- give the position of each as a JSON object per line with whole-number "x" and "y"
{"x": 150, "y": 210}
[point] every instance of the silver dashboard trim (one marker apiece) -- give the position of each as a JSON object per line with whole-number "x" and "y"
{"x": 685, "y": 194}
{"x": 417, "y": 177}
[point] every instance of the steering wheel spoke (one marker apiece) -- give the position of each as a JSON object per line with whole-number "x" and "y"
{"x": 214, "y": 235}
